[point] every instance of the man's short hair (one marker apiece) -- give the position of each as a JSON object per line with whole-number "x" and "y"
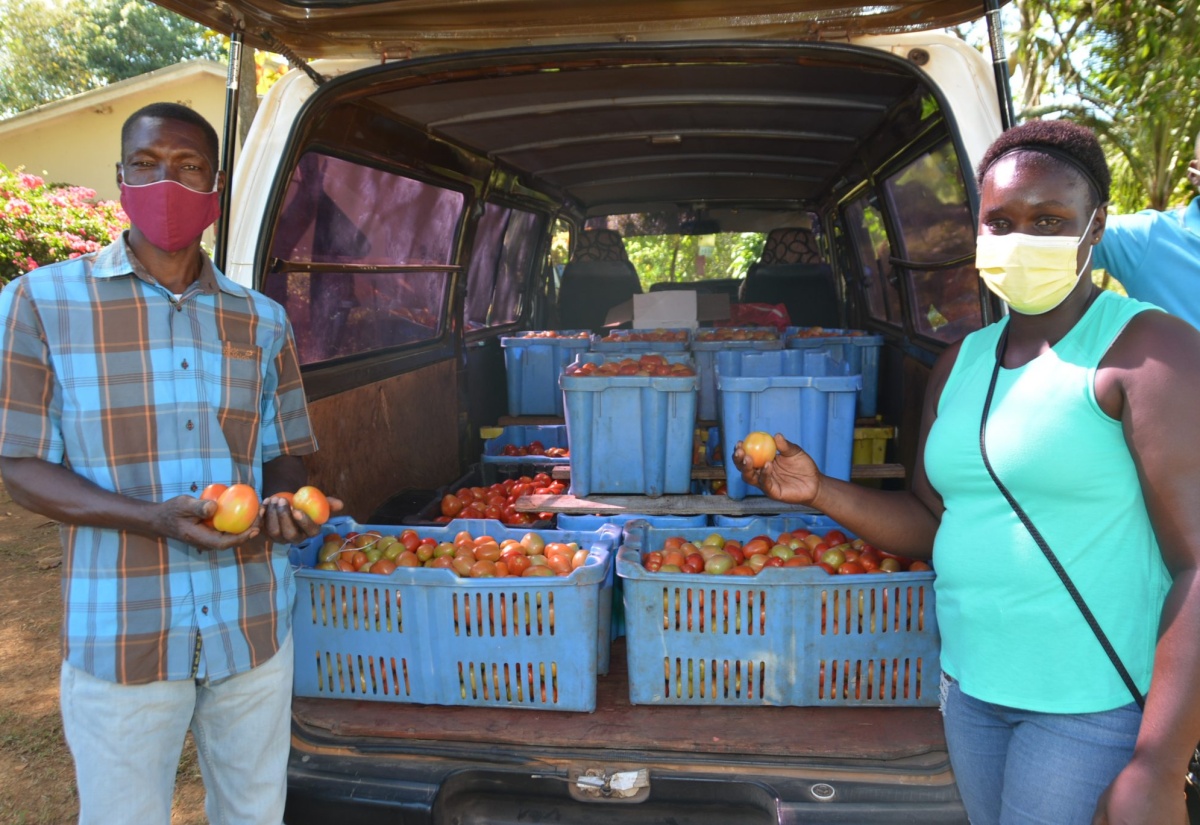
{"x": 1062, "y": 141}
{"x": 174, "y": 111}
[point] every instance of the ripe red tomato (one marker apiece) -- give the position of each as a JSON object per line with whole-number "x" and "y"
{"x": 835, "y": 537}
{"x": 760, "y": 448}
{"x": 850, "y": 568}
{"x": 452, "y": 505}
{"x": 313, "y": 503}
{"x": 211, "y": 493}
{"x": 237, "y": 508}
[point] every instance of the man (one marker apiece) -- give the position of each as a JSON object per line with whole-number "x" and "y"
{"x": 129, "y": 380}
{"x": 1156, "y": 255}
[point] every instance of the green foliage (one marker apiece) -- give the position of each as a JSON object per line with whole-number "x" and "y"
{"x": 51, "y": 49}
{"x": 1126, "y": 68}
{"x": 675, "y": 257}
{"x": 42, "y": 223}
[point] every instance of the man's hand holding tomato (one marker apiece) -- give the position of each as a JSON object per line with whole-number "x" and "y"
{"x": 287, "y": 524}
{"x": 791, "y": 477}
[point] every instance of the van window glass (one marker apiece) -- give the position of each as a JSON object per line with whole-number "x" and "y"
{"x": 929, "y": 199}
{"x": 501, "y": 257}
{"x": 338, "y": 215}
{"x": 336, "y": 314}
{"x": 337, "y": 211}
{"x": 864, "y": 222}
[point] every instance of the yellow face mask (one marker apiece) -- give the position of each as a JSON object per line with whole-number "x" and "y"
{"x": 1031, "y": 273}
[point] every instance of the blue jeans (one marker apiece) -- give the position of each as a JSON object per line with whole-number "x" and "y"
{"x": 126, "y": 741}
{"x": 1018, "y": 767}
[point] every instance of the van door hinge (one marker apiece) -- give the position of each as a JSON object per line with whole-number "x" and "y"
{"x": 294, "y": 60}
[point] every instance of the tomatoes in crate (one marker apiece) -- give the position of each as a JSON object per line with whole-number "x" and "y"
{"x": 649, "y": 364}
{"x": 476, "y": 557}
{"x": 498, "y": 501}
{"x": 833, "y": 552}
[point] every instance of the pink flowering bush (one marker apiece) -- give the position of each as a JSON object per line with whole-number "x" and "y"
{"x": 42, "y": 223}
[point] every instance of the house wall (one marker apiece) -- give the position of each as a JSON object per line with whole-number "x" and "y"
{"x": 81, "y": 145}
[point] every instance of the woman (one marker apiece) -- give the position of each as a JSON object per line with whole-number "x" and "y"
{"x": 1093, "y": 427}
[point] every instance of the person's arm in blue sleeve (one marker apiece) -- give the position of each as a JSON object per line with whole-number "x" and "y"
{"x": 1124, "y": 246}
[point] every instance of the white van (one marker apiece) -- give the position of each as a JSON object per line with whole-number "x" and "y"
{"x": 399, "y": 196}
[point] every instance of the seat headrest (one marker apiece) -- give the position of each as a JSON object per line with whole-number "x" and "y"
{"x": 790, "y": 245}
{"x": 599, "y": 245}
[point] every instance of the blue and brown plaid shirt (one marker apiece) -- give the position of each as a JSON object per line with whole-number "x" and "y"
{"x": 104, "y": 372}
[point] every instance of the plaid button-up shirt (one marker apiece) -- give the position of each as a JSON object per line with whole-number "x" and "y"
{"x": 104, "y": 371}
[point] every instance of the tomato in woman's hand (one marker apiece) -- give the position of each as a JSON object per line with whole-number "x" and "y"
{"x": 760, "y": 448}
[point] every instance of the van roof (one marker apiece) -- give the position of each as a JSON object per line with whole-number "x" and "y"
{"x": 404, "y": 28}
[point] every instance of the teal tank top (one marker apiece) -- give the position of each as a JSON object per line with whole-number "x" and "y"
{"x": 1011, "y": 634}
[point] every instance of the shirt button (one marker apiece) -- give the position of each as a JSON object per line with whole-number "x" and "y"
{"x": 195, "y": 486}
{"x": 179, "y": 307}
{"x": 184, "y": 364}
{"x": 190, "y": 425}
{"x": 204, "y": 610}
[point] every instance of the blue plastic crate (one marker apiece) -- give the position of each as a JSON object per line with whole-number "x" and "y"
{"x": 853, "y": 347}
{"x": 493, "y": 459}
{"x": 630, "y": 434}
{"x": 705, "y": 353}
{"x": 774, "y": 525}
{"x": 619, "y": 342}
{"x": 427, "y": 636}
{"x": 796, "y": 392}
{"x": 531, "y": 367}
{"x": 567, "y": 521}
{"x": 788, "y": 636}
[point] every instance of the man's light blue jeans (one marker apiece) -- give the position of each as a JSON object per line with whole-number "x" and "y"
{"x": 127, "y": 740}
{"x": 1016, "y": 767}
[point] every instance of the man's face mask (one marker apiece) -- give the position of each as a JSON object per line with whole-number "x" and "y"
{"x": 1032, "y": 273}
{"x": 168, "y": 213}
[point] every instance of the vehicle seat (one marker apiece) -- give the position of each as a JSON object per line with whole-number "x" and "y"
{"x": 791, "y": 271}
{"x": 598, "y": 278}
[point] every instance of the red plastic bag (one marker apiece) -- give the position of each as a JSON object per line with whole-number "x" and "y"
{"x": 757, "y": 315}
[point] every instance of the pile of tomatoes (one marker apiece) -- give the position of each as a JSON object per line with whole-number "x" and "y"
{"x": 737, "y": 334}
{"x": 473, "y": 557}
{"x": 646, "y": 365}
{"x": 834, "y": 552}
{"x": 656, "y": 335}
{"x": 535, "y": 448}
{"x": 499, "y": 500}
{"x": 821, "y": 332}
{"x": 554, "y": 333}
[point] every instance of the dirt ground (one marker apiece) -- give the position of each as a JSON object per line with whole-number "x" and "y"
{"x": 37, "y": 778}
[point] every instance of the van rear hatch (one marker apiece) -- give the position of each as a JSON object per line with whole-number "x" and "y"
{"x": 404, "y": 28}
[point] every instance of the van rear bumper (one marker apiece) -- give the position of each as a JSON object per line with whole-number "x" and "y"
{"x": 364, "y": 789}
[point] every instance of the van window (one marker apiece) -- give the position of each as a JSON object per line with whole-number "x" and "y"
{"x": 864, "y": 222}
{"x": 348, "y": 257}
{"x": 501, "y": 258}
{"x": 929, "y": 199}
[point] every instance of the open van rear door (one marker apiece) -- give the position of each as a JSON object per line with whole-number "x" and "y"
{"x": 406, "y": 28}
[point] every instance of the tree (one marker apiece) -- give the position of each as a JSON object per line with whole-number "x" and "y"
{"x": 49, "y": 50}
{"x": 1127, "y": 69}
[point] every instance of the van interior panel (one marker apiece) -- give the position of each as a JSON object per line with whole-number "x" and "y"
{"x": 404, "y": 427}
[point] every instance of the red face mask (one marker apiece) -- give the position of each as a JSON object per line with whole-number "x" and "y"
{"x": 168, "y": 213}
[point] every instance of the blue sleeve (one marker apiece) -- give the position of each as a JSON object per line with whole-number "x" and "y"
{"x": 1124, "y": 245}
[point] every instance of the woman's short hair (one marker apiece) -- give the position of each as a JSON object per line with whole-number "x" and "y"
{"x": 1062, "y": 141}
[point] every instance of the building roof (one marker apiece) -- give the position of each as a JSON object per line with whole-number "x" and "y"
{"x": 106, "y": 95}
